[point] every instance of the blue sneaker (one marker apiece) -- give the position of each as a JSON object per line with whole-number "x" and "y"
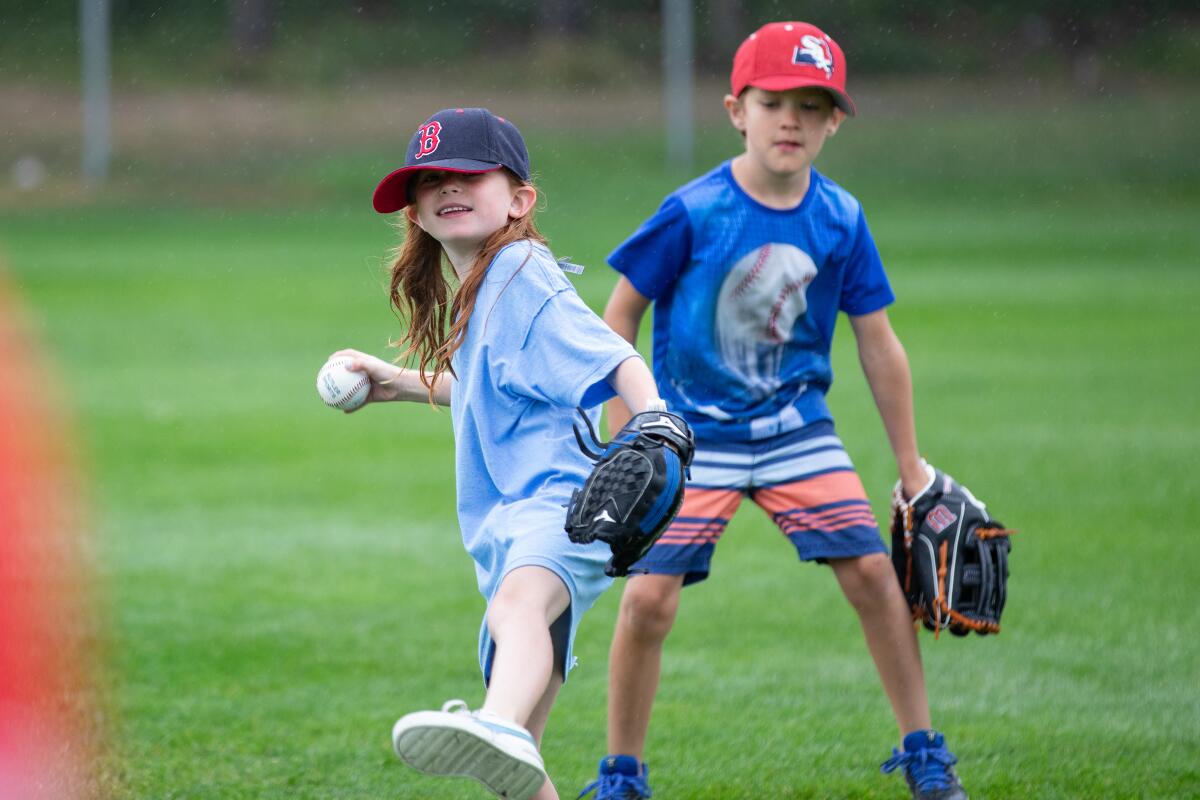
{"x": 621, "y": 778}
{"x": 928, "y": 767}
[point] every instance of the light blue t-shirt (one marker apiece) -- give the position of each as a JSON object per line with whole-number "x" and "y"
{"x": 533, "y": 353}
{"x": 746, "y": 298}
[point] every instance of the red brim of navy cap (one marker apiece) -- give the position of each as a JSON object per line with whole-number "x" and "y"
{"x": 782, "y": 83}
{"x": 392, "y": 192}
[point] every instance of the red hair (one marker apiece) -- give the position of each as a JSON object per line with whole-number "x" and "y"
{"x": 421, "y": 293}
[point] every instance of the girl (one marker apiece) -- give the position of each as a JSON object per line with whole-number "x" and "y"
{"x": 521, "y": 352}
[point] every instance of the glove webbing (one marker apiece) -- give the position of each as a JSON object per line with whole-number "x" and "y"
{"x": 940, "y": 606}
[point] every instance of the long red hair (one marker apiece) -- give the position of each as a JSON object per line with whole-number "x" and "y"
{"x": 422, "y": 295}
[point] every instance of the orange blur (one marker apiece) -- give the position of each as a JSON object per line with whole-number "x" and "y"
{"x": 47, "y": 718}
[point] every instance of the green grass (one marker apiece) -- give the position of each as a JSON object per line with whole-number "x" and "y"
{"x": 281, "y": 582}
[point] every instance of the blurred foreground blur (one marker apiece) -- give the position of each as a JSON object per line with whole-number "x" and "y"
{"x": 47, "y": 723}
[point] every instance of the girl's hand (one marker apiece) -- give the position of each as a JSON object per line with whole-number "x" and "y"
{"x": 385, "y": 383}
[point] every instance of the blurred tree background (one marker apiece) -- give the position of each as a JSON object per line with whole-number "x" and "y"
{"x": 572, "y": 43}
{"x": 234, "y": 101}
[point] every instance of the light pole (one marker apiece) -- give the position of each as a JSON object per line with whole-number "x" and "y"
{"x": 677, "y": 72}
{"x": 94, "y": 18}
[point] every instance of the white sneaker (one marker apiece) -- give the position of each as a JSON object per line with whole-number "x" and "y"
{"x": 495, "y": 751}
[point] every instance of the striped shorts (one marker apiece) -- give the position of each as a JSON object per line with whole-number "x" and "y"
{"x": 804, "y": 479}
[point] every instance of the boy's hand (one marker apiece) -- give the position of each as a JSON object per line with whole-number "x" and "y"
{"x": 384, "y": 384}
{"x": 913, "y": 479}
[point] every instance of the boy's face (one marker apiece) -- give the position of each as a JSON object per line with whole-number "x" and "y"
{"x": 784, "y": 131}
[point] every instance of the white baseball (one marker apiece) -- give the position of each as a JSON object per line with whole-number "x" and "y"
{"x": 760, "y": 300}
{"x": 765, "y": 293}
{"x": 341, "y": 388}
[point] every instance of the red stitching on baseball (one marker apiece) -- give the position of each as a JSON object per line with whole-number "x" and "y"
{"x": 787, "y": 292}
{"x": 744, "y": 284}
{"x": 364, "y": 380}
{"x": 352, "y": 392}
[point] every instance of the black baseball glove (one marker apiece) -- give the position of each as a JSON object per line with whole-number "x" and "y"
{"x": 951, "y": 557}
{"x": 635, "y": 489}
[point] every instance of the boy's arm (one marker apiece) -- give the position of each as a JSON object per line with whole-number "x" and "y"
{"x": 390, "y": 382}
{"x": 885, "y": 364}
{"x": 624, "y": 313}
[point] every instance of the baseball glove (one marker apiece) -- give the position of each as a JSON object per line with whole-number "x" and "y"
{"x": 950, "y": 556}
{"x": 635, "y": 489}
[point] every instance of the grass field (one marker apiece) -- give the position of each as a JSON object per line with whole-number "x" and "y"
{"x": 281, "y": 582}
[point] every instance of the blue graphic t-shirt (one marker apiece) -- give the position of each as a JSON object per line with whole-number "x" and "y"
{"x": 746, "y": 297}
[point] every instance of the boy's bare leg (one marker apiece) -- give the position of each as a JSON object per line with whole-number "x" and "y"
{"x": 648, "y": 608}
{"x": 869, "y": 583}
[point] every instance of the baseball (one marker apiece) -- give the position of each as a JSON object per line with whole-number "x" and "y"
{"x": 760, "y": 301}
{"x": 341, "y": 388}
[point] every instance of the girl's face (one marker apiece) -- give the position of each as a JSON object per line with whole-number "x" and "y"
{"x": 785, "y": 131}
{"x": 461, "y": 210}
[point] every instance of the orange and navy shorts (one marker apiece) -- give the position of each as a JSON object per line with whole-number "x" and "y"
{"x": 804, "y": 479}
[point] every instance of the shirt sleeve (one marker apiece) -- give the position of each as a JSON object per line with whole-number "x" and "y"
{"x": 657, "y": 252}
{"x": 566, "y": 356}
{"x": 865, "y": 287}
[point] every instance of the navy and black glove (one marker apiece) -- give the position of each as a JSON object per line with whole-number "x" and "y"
{"x": 951, "y": 557}
{"x": 635, "y": 489}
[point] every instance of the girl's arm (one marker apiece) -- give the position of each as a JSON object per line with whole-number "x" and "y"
{"x": 624, "y": 313}
{"x": 390, "y": 382}
{"x": 886, "y": 366}
{"x": 634, "y": 386}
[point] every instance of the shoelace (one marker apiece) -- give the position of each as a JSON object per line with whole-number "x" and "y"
{"x": 455, "y": 707}
{"x": 496, "y": 724}
{"x": 928, "y": 767}
{"x": 617, "y": 786}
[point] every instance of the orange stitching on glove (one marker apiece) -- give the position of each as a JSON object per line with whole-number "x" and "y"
{"x": 940, "y": 603}
{"x": 973, "y": 624}
{"x": 983, "y": 534}
{"x": 906, "y": 513}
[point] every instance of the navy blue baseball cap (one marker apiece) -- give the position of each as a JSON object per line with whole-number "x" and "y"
{"x": 471, "y": 140}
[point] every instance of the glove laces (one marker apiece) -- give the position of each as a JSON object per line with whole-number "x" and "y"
{"x": 928, "y": 767}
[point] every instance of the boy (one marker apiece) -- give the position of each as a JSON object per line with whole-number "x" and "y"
{"x": 748, "y": 267}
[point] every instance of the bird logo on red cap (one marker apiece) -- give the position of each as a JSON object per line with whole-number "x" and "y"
{"x": 814, "y": 51}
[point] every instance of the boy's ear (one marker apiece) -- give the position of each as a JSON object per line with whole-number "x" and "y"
{"x": 523, "y": 201}
{"x": 737, "y": 112}
{"x": 835, "y": 121}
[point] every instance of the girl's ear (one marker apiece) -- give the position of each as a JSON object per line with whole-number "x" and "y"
{"x": 410, "y": 211}
{"x": 523, "y": 201}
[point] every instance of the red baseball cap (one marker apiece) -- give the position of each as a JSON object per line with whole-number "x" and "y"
{"x": 791, "y": 55}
